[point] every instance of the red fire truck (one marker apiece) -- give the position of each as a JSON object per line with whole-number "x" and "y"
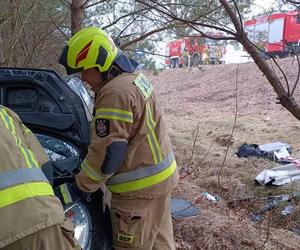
{"x": 276, "y": 33}
{"x": 195, "y": 50}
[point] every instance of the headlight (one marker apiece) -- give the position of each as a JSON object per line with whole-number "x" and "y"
{"x": 80, "y": 217}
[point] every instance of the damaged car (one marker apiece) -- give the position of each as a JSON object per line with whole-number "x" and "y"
{"x": 59, "y": 112}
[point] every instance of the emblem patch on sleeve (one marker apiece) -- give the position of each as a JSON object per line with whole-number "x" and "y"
{"x": 102, "y": 127}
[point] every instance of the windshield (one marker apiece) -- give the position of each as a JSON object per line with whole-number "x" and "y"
{"x": 79, "y": 88}
{"x": 215, "y": 42}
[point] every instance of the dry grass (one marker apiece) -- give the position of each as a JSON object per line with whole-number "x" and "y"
{"x": 199, "y": 109}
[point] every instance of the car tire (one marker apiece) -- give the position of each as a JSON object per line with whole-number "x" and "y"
{"x": 172, "y": 64}
{"x": 196, "y": 60}
{"x": 177, "y": 64}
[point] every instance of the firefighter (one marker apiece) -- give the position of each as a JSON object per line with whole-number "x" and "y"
{"x": 186, "y": 57}
{"x": 206, "y": 55}
{"x": 130, "y": 150}
{"x": 31, "y": 216}
{"x": 218, "y": 54}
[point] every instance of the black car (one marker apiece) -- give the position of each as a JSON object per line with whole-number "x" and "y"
{"x": 59, "y": 111}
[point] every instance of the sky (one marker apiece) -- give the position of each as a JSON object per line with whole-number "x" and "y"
{"x": 262, "y": 5}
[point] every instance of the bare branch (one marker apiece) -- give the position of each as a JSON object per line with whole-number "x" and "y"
{"x": 276, "y": 63}
{"x": 65, "y": 3}
{"x": 17, "y": 32}
{"x": 239, "y": 14}
{"x": 53, "y": 21}
{"x": 146, "y": 35}
{"x": 159, "y": 7}
{"x": 298, "y": 74}
{"x": 134, "y": 18}
{"x": 293, "y": 2}
{"x": 93, "y": 4}
{"x": 213, "y": 37}
{"x": 233, "y": 126}
{"x": 124, "y": 16}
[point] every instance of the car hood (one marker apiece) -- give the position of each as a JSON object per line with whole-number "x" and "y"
{"x": 45, "y": 104}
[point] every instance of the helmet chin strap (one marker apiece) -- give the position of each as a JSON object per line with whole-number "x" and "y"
{"x": 111, "y": 73}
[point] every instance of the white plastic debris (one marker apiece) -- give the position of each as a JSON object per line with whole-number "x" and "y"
{"x": 210, "y": 197}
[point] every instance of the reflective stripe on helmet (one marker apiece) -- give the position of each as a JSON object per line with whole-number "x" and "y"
{"x": 21, "y": 175}
{"x": 30, "y": 159}
{"x": 142, "y": 177}
{"x": 83, "y": 53}
{"x": 115, "y": 114}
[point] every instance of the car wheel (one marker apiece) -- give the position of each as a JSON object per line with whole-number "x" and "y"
{"x": 196, "y": 60}
{"x": 172, "y": 64}
{"x": 177, "y": 63}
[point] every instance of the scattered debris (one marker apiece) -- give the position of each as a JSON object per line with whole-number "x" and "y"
{"x": 273, "y": 151}
{"x": 287, "y": 210}
{"x": 274, "y": 202}
{"x": 255, "y": 217}
{"x": 181, "y": 208}
{"x": 279, "y": 175}
{"x": 211, "y": 197}
{"x": 295, "y": 230}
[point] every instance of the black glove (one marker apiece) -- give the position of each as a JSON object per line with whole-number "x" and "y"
{"x": 70, "y": 193}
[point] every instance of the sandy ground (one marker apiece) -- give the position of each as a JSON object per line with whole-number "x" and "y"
{"x": 203, "y": 107}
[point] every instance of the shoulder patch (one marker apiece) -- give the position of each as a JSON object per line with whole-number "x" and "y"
{"x": 144, "y": 85}
{"x": 102, "y": 127}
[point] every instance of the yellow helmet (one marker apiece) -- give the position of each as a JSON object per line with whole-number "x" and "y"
{"x": 90, "y": 47}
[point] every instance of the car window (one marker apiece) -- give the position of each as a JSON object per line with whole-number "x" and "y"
{"x": 56, "y": 148}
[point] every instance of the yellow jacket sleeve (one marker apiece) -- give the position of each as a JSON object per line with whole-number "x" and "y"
{"x": 110, "y": 130}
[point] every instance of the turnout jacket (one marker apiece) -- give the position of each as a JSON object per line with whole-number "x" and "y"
{"x": 130, "y": 149}
{"x": 27, "y": 202}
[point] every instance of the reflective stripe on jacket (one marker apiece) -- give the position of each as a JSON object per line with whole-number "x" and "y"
{"x": 19, "y": 184}
{"x": 142, "y": 177}
{"x": 27, "y": 202}
{"x": 127, "y": 112}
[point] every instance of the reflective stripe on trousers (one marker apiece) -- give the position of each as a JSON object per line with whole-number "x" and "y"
{"x": 143, "y": 177}
{"x": 23, "y": 183}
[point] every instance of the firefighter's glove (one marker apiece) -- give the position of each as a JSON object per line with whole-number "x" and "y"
{"x": 70, "y": 193}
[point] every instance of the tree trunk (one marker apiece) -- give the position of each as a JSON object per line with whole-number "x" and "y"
{"x": 76, "y": 15}
{"x": 2, "y": 59}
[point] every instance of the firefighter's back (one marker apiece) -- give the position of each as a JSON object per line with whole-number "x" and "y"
{"x": 27, "y": 203}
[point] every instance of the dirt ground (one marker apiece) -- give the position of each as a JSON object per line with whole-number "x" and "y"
{"x": 200, "y": 107}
